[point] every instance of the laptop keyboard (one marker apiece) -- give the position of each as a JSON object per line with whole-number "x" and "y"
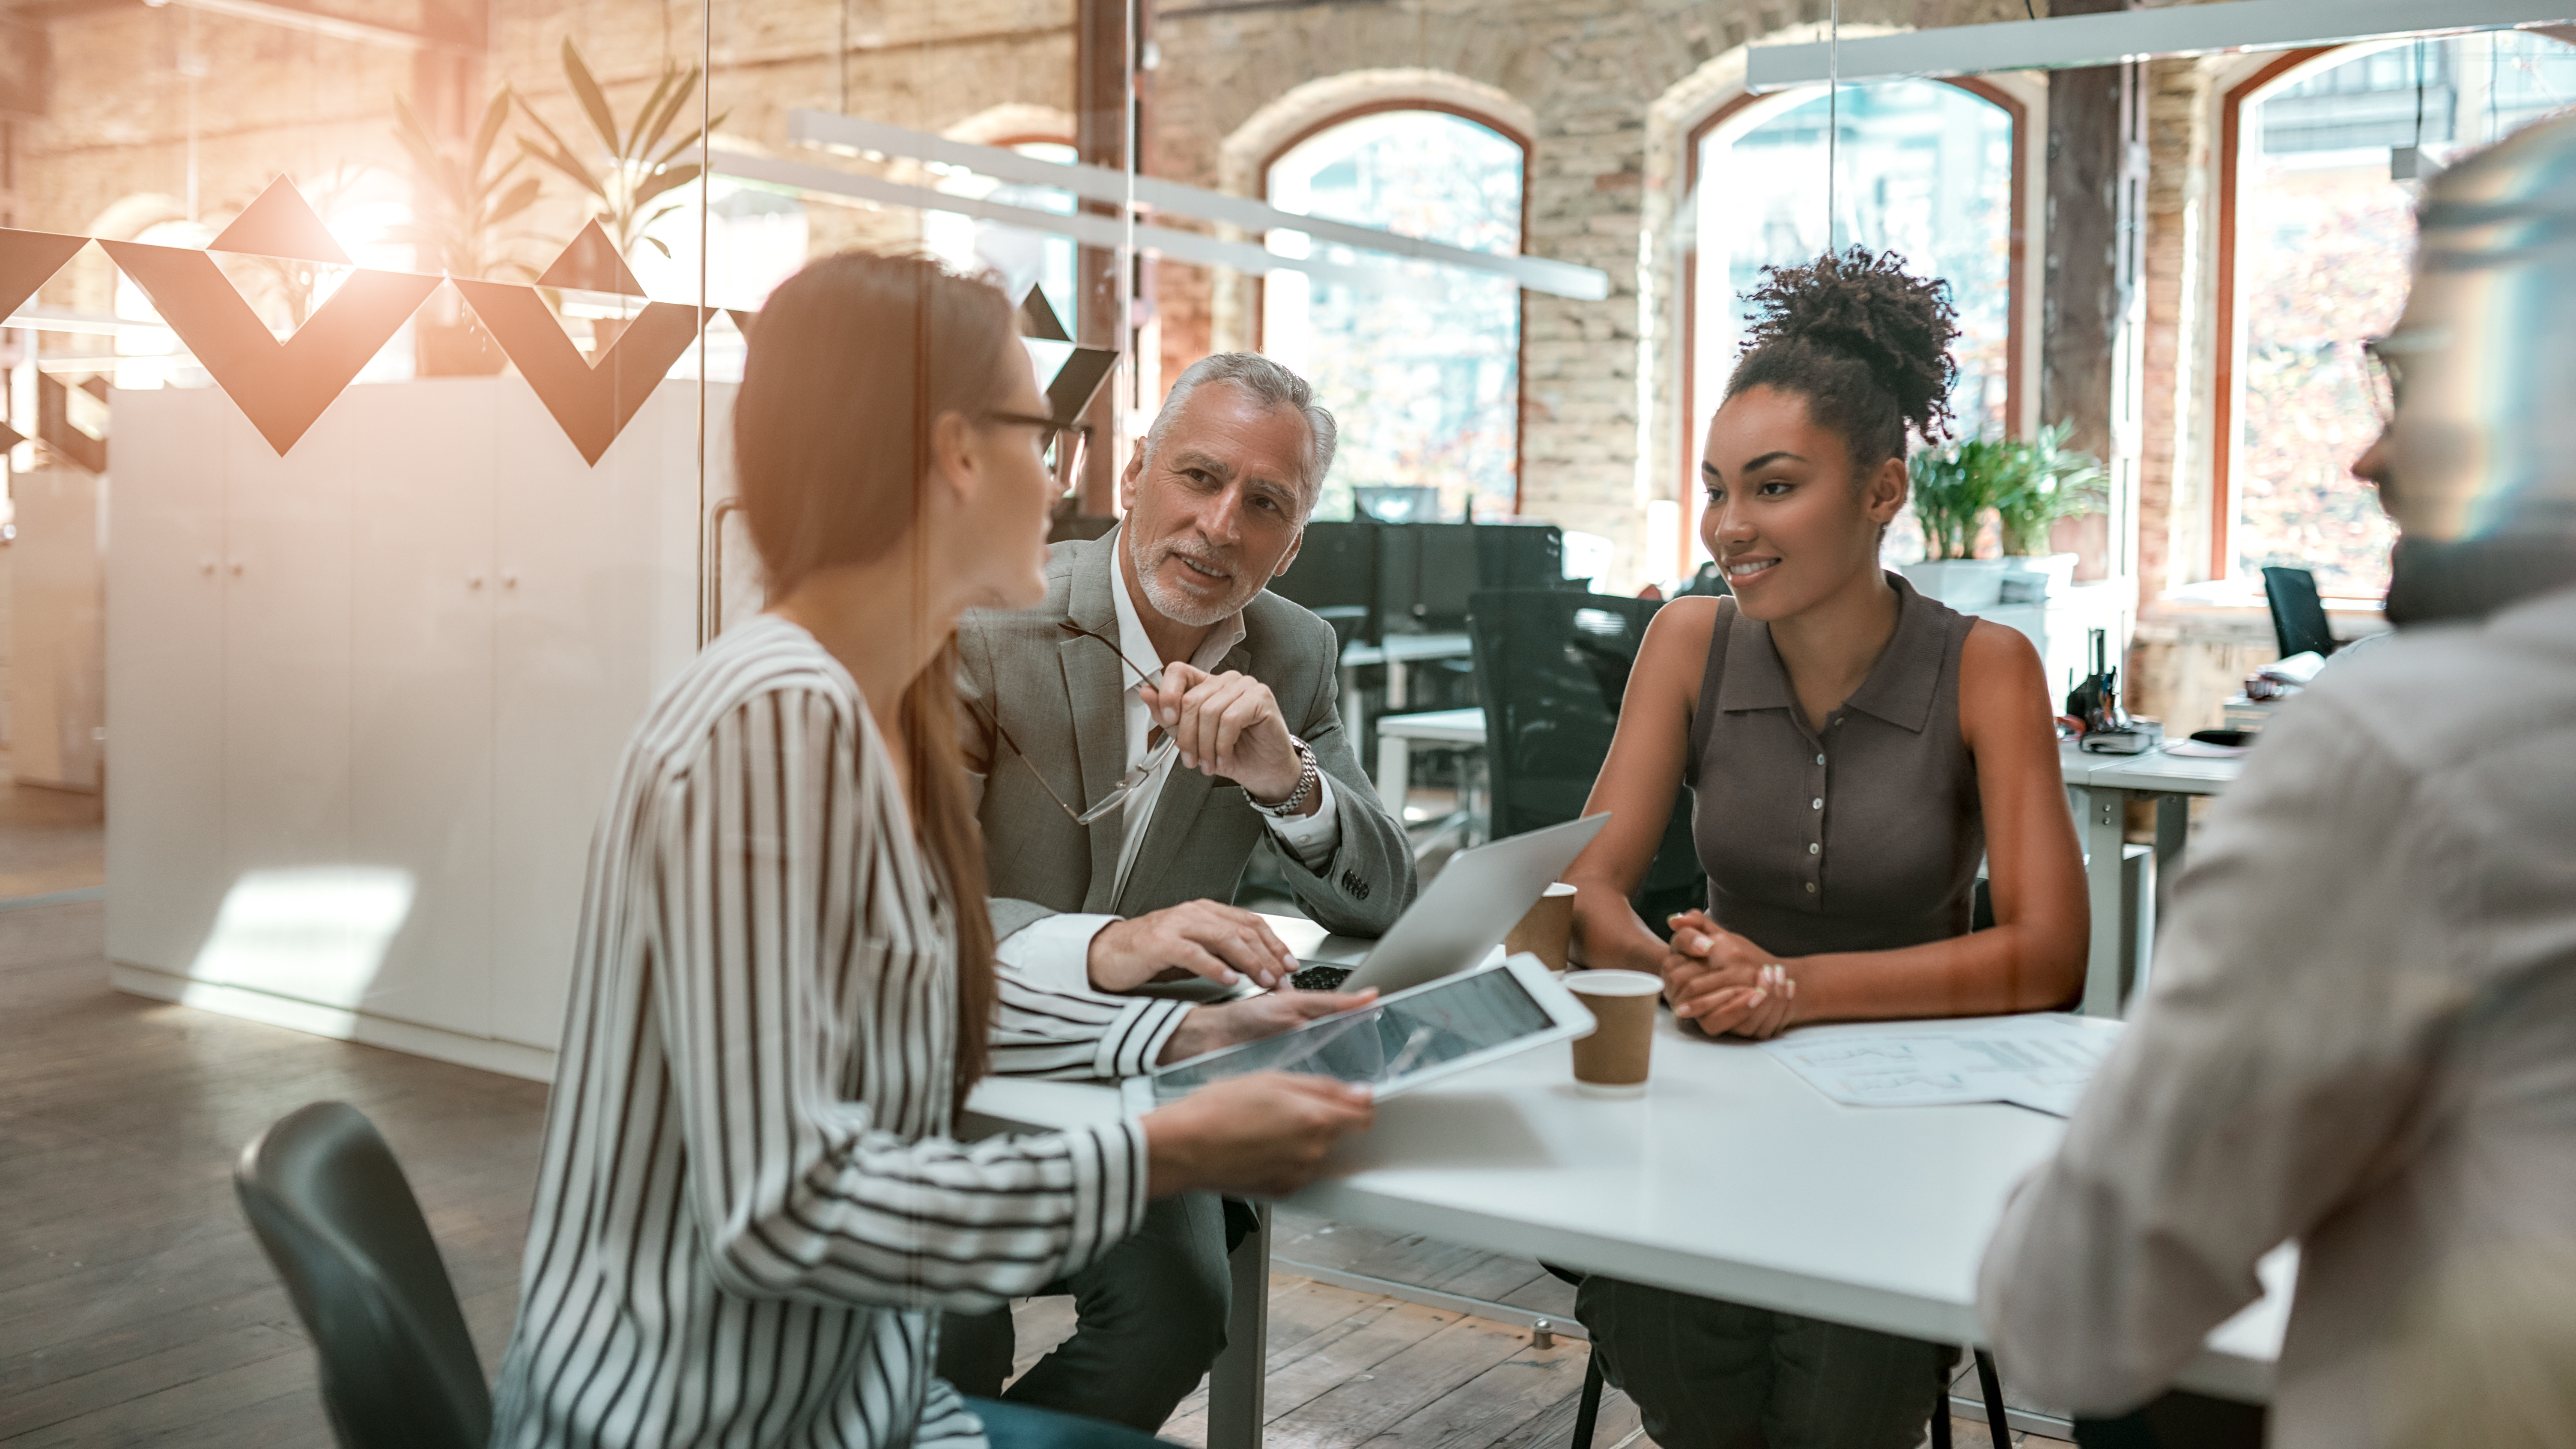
{"x": 1319, "y": 977}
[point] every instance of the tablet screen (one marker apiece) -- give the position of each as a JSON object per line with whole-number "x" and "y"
{"x": 1420, "y": 1028}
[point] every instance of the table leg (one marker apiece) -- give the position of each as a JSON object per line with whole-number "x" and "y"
{"x": 1351, "y": 708}
{"x": 2099, "y": 827}
{"x": 1394, "y": 772}
{"x": 1235, "y": 1383}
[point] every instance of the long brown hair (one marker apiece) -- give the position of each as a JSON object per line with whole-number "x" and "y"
{"x": 851, "y": 361}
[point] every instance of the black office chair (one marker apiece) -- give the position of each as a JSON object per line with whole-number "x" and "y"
{"x": 2298, "y": 615}
{"x": 1551, "y": 667}
{"x": 337, "y": 1218}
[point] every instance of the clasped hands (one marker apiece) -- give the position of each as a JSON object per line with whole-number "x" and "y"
{"x": 1725, "y": 982}
{"x": 1228, "y": 724}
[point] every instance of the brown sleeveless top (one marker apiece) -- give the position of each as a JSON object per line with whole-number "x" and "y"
{"x": 1864, "y": 836}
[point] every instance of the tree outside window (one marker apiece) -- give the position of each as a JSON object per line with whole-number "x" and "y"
{"x": 1423, "y": 376}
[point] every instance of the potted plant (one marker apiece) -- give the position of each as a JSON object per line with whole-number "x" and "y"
{"x": 2050, "y": 483}
{"x": 467, "y": 202}
{"x": 1954, "y": 487}
{"x": 639, "y": 169}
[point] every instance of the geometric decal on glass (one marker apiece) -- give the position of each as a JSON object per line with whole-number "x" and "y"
{"x": 28, "y": 260}
{"x": 281, "y": 223}
{"x": 591, "y": 264}
{"x": 591, "y": 402}
{"x": 282, "y": 387}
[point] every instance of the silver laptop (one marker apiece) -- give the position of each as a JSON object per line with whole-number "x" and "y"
{"x": 1464, "y": 913}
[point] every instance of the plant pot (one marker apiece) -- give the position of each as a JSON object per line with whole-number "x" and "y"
{"x": 2036, "y": 578}
{"x": 1965, "y": 584}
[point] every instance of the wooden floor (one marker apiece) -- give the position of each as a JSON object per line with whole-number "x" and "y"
{"x": 136, "y": 1309}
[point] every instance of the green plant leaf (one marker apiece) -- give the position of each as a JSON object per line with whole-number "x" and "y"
{"x": 655, "y": 243}
{"x": 495, "y": 115}
{"x": 690, "y": 138}
{"x": 654, "y": 185}
{"x": 635, "y": 144}
{"x": 563, "y": 161}
{"x": 586, "y": 90}
{"x": 670, "y": 110}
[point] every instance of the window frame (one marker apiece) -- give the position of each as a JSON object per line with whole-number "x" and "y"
{"x": 1520, "y": 295}
{"x": 2016, "y": 288}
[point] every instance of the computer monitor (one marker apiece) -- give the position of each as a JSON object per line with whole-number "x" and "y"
{"x": 1336, "y": 575}
{"x": 1520, "y": 555}
{"x": 1398, "y": 505}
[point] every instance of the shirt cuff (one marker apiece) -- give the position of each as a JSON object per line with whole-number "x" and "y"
{"x": 1053, "y": 952}
{"x": 1133, "y": 1044}
{"x": 1311, "y": 838}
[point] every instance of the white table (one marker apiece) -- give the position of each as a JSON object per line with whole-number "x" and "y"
{"x": 1397, "y": 734}
{"x": 1395, "y": 652}
{"x": 1869, "y": 1216}
{"x": 2099, "y": 788}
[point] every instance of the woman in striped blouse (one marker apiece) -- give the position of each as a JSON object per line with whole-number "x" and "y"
{"x": 749, "y": 1210}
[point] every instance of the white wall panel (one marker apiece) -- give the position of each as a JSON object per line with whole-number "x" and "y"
{"x": 165, "y": 633}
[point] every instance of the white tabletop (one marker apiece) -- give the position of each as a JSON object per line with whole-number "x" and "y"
{"x": 1448, "y": 726}
{"x": 2164, "y": 773}
{"x": 1730, "y": 1177}
{"x": 1404, "y": 648}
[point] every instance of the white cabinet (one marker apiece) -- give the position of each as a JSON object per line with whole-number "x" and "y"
{"x": 366, "y": 698}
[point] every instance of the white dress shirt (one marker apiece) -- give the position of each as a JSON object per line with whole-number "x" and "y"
{"x": 2360, "y": 1035}
{"x": 1056, "y": 952}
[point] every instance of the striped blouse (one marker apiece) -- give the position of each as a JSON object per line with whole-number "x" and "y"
{"x": 748, "y": 1212}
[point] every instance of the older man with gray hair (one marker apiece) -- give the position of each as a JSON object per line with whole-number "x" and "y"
{"x": 1139, "y": 735}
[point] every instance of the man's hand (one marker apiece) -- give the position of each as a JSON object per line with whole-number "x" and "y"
{"x": 1725, "y": 982}
{"x": 1232, "y": 1023}
{"x": 1228, "y": 724}
{"x": 1222, "y": 943}
{"x": 1262, "y": 1135}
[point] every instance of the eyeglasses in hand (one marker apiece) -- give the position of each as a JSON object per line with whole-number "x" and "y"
{"x": 1159, "y": 746}
{"x": 2385, "y": 376}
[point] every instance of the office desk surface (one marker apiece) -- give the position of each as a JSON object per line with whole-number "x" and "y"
{"x": 1730, "y": 1177}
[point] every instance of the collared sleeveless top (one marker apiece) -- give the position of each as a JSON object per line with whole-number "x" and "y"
{"x": 1862, "y": 836}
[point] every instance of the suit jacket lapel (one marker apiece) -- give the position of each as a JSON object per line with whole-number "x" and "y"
{"x": 1184, "y": 795}
{"x": 1096, "y": 687}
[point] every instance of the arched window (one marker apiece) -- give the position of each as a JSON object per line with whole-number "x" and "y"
{"x": 1928, "y": 170}
{"x": 2316, "y": 235}
{"x": 1425, "y": 377}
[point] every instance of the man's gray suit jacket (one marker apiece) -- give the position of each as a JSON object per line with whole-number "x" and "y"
{"x": 1062, "y": 697}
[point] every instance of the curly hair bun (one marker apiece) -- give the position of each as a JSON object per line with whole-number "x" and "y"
{"x": 1865, "y": 343}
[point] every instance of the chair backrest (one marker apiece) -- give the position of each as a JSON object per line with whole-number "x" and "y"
{"x": 338, "y": 1220}
{"x": 2298, "y": 615}
{"x": 1552, "y": 666}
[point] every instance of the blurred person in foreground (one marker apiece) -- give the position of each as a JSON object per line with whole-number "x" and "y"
{"x": 1160, "y": 664}
{"x": 750, "y": 1208}
{"x": 2361, "y": 1030}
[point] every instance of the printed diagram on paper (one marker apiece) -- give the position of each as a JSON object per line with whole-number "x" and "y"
{"x": 2040, "y": 1061}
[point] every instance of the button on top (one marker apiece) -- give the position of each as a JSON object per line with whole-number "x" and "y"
{"x": 1820, "y": 759}
{"x": 1811, "y": 887}
{"x": 1816, "y": 804}
{"x": 1814, "y": 849}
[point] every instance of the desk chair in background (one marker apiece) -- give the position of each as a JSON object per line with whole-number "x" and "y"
{"x": 339, "y": 1223}
{"x": 1552, "y": 667}
{"x": 2298, "y": 614}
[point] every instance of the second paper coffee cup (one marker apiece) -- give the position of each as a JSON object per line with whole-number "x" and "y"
{"x": 1612, "y": 1061}
{"x": 1546, "y": 928}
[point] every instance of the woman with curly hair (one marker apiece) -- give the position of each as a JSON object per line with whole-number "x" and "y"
{"x": 1852, "y": 749}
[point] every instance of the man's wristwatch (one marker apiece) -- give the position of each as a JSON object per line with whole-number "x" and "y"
{"x": 1309, "y": 779}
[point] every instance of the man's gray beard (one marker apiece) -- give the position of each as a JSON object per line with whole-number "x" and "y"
{"x": 1180, "y": 608}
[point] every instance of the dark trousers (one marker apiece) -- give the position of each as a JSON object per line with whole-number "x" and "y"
{"x": 1150, "y": 1318}
{"x": 1712, "y": 1375}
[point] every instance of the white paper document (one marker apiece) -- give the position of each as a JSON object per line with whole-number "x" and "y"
{"x": 2039, "y": 1061}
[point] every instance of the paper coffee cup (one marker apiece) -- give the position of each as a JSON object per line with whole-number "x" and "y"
{"x": 1544, "y": 931}
{"x": 1612, "y": 1061}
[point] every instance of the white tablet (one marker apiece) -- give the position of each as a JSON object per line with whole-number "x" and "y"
{"x": 1399, "y": 1041}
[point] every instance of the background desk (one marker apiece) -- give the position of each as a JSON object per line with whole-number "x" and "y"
{"x": 1869, "y": 1216}
{"x": 2099, "y": 787}
{"x": 1397, "y": 651}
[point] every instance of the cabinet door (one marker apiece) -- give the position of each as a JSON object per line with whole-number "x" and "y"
{"x": 420, "y": 689}
{"x": 165, "y": 677}
{"x": 598, "y": 605}
{"x": 297, "y": 921}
